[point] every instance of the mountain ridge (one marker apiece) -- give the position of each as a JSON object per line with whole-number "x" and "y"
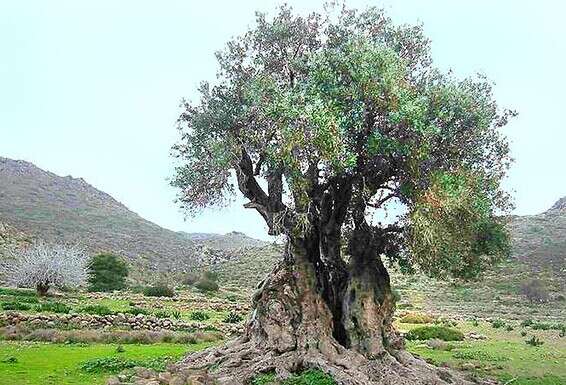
{"x": 46, "y": 206}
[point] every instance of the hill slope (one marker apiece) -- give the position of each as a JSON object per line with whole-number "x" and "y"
{"x": 46, "y": 206}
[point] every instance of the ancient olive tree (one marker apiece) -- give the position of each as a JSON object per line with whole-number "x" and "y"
{"x": 43, "y": 265}
{"x": 322, "y": 123}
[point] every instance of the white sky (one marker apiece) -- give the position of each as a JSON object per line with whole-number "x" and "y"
{"x": 91, "y": 88}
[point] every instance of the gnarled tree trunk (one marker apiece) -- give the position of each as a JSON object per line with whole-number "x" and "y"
{"x": 295, "y": 324}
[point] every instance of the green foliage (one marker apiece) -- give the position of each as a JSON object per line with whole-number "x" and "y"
{"x": 359, "y": 101}
{"x": 97, "y": 309}
{"x": 107, "y": 272}
{"x": 198, "y": 315}
{"x": 161, "y": 314}
{"x": 137, "y": 310}
{"x": 176, "y": 314}
{"x": 9, "y": 360}
{"x": 117, "y": 364}
{"x": 233, "y": 318}
{"x": 206, "y": 285}
{"x": 15, "y": 305}
{"x": 497, "y": 323}
{"x": 53, "y": 307}
{"x": 534, "y": 341}
{"x": 210, "y": 275}
{"x": 436, "y": 332}
{"x": 264, "y": 379}
{"x": 190, "y": 279}
{"x": 17, "y": 292}
{"x": 308, "y": 377}
{"x": 159, "y": 290}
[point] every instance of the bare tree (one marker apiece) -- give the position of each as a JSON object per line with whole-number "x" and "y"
{"x": 43, "y": 265}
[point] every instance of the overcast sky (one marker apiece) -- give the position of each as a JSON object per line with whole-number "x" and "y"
{"x": 91, "y": 88}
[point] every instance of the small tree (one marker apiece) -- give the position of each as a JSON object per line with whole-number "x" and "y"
{"x": 44, "y": 265}
{"x": 107, "y": 273}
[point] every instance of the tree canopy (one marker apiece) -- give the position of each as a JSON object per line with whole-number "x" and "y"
{"x": 334, "y": 117}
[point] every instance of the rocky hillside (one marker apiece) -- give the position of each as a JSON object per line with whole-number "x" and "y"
{"x": 540, "y": 240}
{"x": 43, "y": 205}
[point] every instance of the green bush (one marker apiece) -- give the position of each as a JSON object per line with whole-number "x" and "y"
{"x": 206, "y": 285}
{"x": 107, "y": 273}
{"x": 497, "y": 323}
{"x": 534, "y": 341}
{"x": 438, "y": 332}
{"x": 97, "y": 309}
{"x": 159, "y": 290}
{"x": 161, "y": 314}
{"x": 53, "y": 307}
{"x": 176, "y": 314}
{"x": 137, "y": 310}
{"x": 190, "y": 279}
{"x": 233, "y": 318}
{"x": 210, "y": 276}
{"x": 541, "y": 326}
{"x": 117, "y": 364}
{"x": 15, "y": 306}
{"x": 198, "y": 316}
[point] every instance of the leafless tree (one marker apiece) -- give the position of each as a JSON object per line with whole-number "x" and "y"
{"x": 43, "y": 265}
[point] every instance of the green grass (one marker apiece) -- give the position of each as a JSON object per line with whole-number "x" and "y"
{"x": 504, "y": 355}
{"x": 53, "y": 364}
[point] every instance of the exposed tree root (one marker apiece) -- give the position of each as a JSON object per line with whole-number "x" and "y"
{"x": 240, "y": 361}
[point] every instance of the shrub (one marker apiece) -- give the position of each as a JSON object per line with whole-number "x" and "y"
{"x": 497, "y": 323}
{"x": 190, "y": 279}
{"x": 523, "y": 333}
{"x": 137, "y": 310}
{"x": 206, "y": 285}
{"x": 416, "y": 318}
{"x": 97, "y": 309}
{"x": 9, "y": 360}
{"x": 527, "y": 322}
{"x": 159, "y": 290}
{"x": 509, "y": 328}
{"x": 198, "y": 316}
{"x": 233, "y": 318}
{"x": 438, "y": 332}
{"x": 176, "y": 314}
{"x": 15, "y": 306}
{"x": 53, "y": 307}
{"x": 534, "y": 341}
{"x": 535, "y": 290}
{"x": 107, "y": 272}
{"x": 117, "y": 364}
{"x": 541, "y": 326}
{"x": 161, "y": 314}
{"x": 210, "y": 276}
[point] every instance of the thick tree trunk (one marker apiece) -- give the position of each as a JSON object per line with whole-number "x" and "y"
{"x": 368, "y": 303}
{"x": 294, "y": 326}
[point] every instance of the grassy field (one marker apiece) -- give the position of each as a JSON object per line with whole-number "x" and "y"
{"x": 33, "y": 363}
{"x": 503, "y": 355}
